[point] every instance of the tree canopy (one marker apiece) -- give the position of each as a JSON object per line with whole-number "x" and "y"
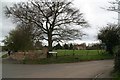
{"x": 58, "y": 46}
{"x": 21, "y": 38}
{"x": 110, "y": 37}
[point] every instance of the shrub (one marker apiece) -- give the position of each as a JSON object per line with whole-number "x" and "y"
{"x": 117, "y": 59}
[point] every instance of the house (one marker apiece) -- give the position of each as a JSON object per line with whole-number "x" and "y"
{"x": 80, "y": 46}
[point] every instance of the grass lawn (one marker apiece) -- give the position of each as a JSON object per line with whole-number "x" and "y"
{"x": 66, "y": 56}
{"x": 79, "y": 52}
{"x": 4, "y": 56}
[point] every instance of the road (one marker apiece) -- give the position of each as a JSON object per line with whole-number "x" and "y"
{"x": 1, "y": 53}
{"x": 89, "y": 69}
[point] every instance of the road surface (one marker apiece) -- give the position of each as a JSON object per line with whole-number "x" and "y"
{"x": 89, "y": 69}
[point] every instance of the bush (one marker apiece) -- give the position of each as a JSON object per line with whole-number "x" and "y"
{"x": 117, "y": 59}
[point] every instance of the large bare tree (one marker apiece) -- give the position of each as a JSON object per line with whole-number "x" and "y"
{"x": 55, "y": 19}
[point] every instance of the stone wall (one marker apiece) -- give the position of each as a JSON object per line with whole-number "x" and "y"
{"x": 30, "y": 55}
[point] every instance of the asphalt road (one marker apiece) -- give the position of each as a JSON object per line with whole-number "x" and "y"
{"x": 89, "y": 69}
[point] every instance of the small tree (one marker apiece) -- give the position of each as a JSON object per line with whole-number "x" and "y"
{"x": 110, "y": 37}
{"x": 19, "y": 39}
{"x": 71, "y": 46}
{"x": 66, "y": 46}
{"x": 58, "y": 46}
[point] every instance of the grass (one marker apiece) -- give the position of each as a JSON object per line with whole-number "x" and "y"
{"x": 5, "y": 56}
{"x": 68, "y": 57}
{"x": 78, "y": 52}
{"x": 116, "y": 75}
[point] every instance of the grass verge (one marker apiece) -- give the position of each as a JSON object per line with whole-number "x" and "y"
{"x": 68, "y": 59}
{"x": 5, "y": 56}
{"x": 116, "y": 75}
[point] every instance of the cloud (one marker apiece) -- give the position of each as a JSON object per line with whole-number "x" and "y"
{"x": 5, "y": 23}
{"x": 14, "y": 1}
{"x": 96, "y": 16}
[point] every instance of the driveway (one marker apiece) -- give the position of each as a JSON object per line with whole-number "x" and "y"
{"x": 89, "y": 69}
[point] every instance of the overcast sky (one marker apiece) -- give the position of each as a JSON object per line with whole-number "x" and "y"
{"x": 94, "y": 14}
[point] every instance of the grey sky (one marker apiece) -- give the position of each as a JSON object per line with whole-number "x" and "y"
{"x": 95, "y": 15}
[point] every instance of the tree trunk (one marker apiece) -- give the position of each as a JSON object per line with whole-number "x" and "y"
{"x": 50, "y": 44}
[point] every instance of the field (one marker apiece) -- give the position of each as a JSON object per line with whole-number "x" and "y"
{"x": 68, "y": 56}
{"x": 79, "y": 52}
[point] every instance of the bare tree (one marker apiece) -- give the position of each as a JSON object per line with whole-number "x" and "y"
{"x": 55, "y": 19}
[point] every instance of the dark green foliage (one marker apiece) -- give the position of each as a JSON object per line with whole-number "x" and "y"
{"x": 4, "y": 48}
{"x": 71, "y": 46}
{"x": 110, "y": 37}
{"x": 116, "y": 75}
{"x": 58, "y": 46}
{"x": 19, "y": 39}
{"x": 117, "y": 59}
{"x": 5, "y": 56}
{"x": 95, "y": 46}
{"x": 66, "y": 46}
